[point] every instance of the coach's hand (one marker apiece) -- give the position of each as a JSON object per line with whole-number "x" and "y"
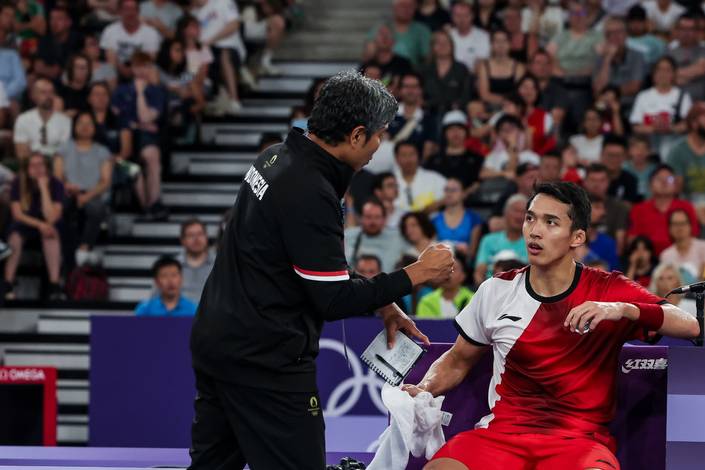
{"x": 394, "y": 319}
{"x": 434, "y": 265}
{"x": 585, "y": 317}
{"x": 412, "y": 390}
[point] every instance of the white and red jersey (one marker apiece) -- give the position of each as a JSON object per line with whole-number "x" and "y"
{"x": 546, "y": 379}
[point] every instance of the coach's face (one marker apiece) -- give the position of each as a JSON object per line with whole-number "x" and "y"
{"x": 547, "y": 231}
{"x": 361, "y": 148}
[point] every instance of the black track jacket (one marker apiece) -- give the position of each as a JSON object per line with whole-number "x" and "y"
{"x": 281, "y": 272}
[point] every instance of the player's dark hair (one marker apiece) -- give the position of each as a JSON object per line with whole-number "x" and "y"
{"x": 348, "y": 100}
{"x": 164, "y": 262}
{"x": 571, "y": 194}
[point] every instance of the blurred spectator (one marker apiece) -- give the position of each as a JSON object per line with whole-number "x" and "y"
{"x": 623, "y": 185}
{"x": 392, "y": 66}
{"x": 687, "y": 251}
{"x": 411, "y": 122}
{"x": 640, "y": 39}
{"x": 663, "y": 14}
{"x": 687, "y": 157}
{"x": 640, "y": 164}
{"x": 550, "y": 168}
{"x": 37, "y": 206}
{"x": 538, "y": 120}
{"x": 575, "y": 54}
{"x": 600, "y": 243}
{"x": 618, "y": 64}
{"x": 368, "y": 266}
{"x": 140, "y": 106}
{"x": 56, "y": 47}
{"x": 449, "y": 299}
{"x": 485, "y": 15}
{"x": 419, "y": 188}
{"x": 5, "y": 111}
{"x": 551, "y": 96}
{"x": 12, "y": 74}
{"x": 522, "y": 45}
{"x": 196, "y": 258}
{"x": 432, "y": 14}
{"x": 609, "y": 105}
{"x": 447, "y": 84}
{"x": 198, "y": 57}
{"x": 640, "y": 260}
{"x": 74, "y": 90}
{"x": 265, "y": 27}
{"x": 417, "y": 231}
{"x": 169, "y": 302}
{"x": 412, "y": 39}
{"x": 30, "y": 25}
{"x": 497, "y": 75}
{"x": 511, "y": 150}
{"x": 650, "y": 218}
{"x": 588, "y": 145}
{"x": 510, "y": 238}
{"x": 665, "y": 278}
{"x": 41, "y": 129}
{"x": 106, "y": 121}
{"x": 85, "y": 168}
{"x": 386, "y": 189}
{"x": 373, "y": 238}
{"x": 471, "y": 44}
{"x": 103, "y": 12}
{"x": 659, "y": 111}
{"x": 7, "y": 25}
{"x": 162, "y": 15}
{"x": 457, "y": 225}
{"x": 220, "y": 30}
{"x": 126, "y": 36}
{"x": 527, "y": 176}
{"x": 454, "y": 159}
{"x": 543, "y": 18}
{"x": 101, "y": 71}
{"x": 689, "y": 55}
{"x": 596, "y": 184}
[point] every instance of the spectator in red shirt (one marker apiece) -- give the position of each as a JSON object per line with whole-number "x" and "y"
{"x": 650, "y": 218}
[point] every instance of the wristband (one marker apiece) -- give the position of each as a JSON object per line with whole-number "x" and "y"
{"x": 650, "y": 315}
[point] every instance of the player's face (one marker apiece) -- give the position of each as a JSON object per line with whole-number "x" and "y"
{"x": 547, "y": 231}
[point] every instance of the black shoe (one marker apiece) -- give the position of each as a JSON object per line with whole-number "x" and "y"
{"x": 56, "y": 292}
{"x": 158, "y": 211}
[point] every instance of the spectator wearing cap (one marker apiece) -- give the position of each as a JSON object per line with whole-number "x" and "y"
{"x": 623, "y": 185}
{"x": 510, "y": 150}
{"x": 58, "y": 45}
{"x": 618, "y": 64}
{"x": 687, "y": 157}
{"x": 126, "y": 36}
{"x": 447, "y": 84}
{"x": 373, "y": 237}
{"x": 663, "y": 14}
{"x": 510, "y": 238}
{"x": 588, "y": 144}
{"x": 392, "y": 66}
{"x": 41, "y": 129}
{"x": 640, "y": 39}
{"x": 419, "y": 188}
{"x": 412, "y": 39}
{"x": 449, "y": 299}
{"x": 196, "y": 258}
{"x": 650, "y": 218}
{"x": 386, "y": 189}
{"x": 455, "y": 160}
{"x": 456, "y": 225}
{"x": 689, "y": 55}
{"x": 169, "y": 302}
{"x": 412, "y": 123}
{"x": 471, "y": 44}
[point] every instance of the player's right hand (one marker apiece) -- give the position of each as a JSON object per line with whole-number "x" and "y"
{"x": 437, "y": 261}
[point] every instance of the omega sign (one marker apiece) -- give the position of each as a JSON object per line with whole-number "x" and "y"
{"x": 22, "y": 375}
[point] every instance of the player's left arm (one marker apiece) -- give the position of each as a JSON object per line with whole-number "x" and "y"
{"x": 664, "y": 318}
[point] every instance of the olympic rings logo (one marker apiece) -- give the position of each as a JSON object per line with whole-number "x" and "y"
{"x": 360, "y": 380}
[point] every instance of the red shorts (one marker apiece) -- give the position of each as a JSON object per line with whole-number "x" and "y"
{"x": 482, "y": 449}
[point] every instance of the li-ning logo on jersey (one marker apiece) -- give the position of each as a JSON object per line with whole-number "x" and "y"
{"x": 644, "y": 364}
{"x": 513, "y": 318}
{"x": 257, "y": 183}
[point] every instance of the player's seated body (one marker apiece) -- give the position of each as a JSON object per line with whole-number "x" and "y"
{"x": 556, "y": 329}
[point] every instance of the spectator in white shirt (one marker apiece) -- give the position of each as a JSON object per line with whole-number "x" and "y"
{"x": 220, "y": 30}
{"x": 663, "y": 14}
{"x": 470, "y": 43}
{"x": 41, "y": 129}
{"x": 419, "y": 188}
{"x": 588, "y": 145}
{"x": 128, "y": 35}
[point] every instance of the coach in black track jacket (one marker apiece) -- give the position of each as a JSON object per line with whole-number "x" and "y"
{"x": 279, "y": 274}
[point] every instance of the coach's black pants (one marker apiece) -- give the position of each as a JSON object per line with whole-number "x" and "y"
{"x": 236, "y": 425}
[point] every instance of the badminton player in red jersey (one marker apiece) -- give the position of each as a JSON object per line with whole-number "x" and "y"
{"x": 556, "y": 329}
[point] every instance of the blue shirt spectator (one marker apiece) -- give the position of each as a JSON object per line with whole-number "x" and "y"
{"x": 168, "y": 302}
{"x": 12, "y": 73}
{"x": 155, "y": 307}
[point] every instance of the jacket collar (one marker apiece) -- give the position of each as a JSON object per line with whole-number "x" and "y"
{"x": 336, "y": 172}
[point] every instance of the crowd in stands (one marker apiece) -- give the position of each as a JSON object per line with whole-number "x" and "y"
{"x": 88, "y": 91}
{"x": 496, "y": 95}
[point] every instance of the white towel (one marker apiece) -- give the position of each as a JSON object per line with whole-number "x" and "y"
{"x": 415, "y": 427}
